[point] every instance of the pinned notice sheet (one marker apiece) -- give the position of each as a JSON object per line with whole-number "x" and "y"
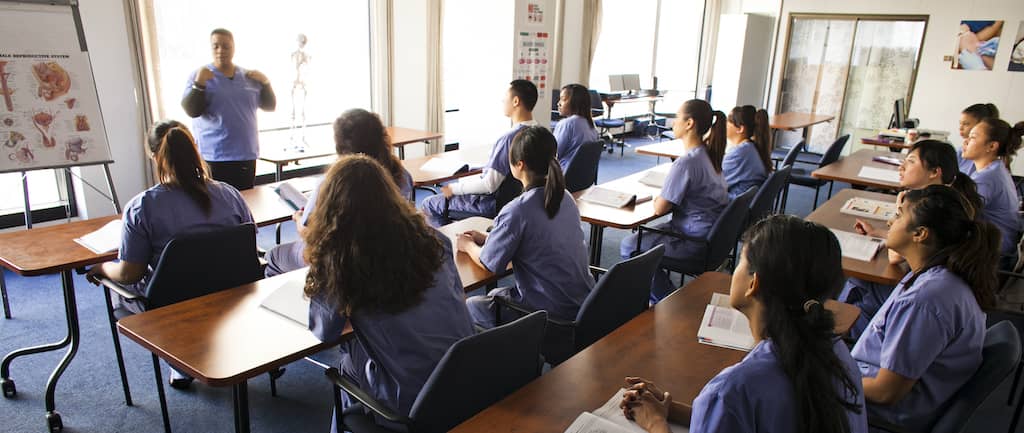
{"x": 885, "y": 175}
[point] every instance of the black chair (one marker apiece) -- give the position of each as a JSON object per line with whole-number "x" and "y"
{"x": 718, "y": 244}
{"x": 803, "y": 155}
{"x": 622, "y": 294}
{"x": 764, "y": 203}
{"x": 555, "y": 114}
{"x": 1000, "y": 355}
{"x": 509, "y": 189}
{"x": 997, "y": 315}
{"x": 802, "y": 175}
{"x": 475, "y": 373}
{"x": 605, "y": 124}
{"x": 582, "y": 170}
{"x": 789, "y": 160}
{"x": 185, "y": 271}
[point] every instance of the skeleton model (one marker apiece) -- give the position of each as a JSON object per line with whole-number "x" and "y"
{"x": 301, "y": 61}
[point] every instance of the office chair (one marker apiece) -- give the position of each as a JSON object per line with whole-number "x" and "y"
{"x": 604, "y": 123}
{"x": 802, "y": 176}
{"x": 764, "y": 203}
{"x": 555, "y": 114}
{"x": 475, "y": 373}
{"x": 509, "y": 189}
{"x": 582, "y": 170}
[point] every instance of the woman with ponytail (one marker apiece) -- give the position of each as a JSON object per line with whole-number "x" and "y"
{"x": 694, "y": 190}
{"x": 799, "y": 377}
{"x": 991, "y": 146}
{"x": 185, "y": 199}
{"x": 747, "y": 159}
{"x": 925, "y": 341}
{"x": 539, "y": 233}
{"x": 968, "y": 119}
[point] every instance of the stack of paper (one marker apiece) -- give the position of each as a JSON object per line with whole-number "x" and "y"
{"x": 725, "y": 326}
{"x": 891, "y": 176}
{"x": 609, "y": 419}
{"x": 868, "y": 208}
{"x": 106, "y": 239}
{"x": 857, "y": 246}
{"x": 290, "y": 301}
{"x": 613, "y": 198}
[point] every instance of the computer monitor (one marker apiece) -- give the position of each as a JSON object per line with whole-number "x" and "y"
{"x": 899, "y": 113}
{"x": 631, "y": 81}
{"x": 615, "y": 83}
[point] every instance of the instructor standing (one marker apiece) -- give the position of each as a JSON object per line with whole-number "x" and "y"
{"x": 222, "y": 99}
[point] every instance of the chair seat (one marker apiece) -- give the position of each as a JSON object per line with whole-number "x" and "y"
{"x": 802, "y": 177}
{"x": 693, "y": 265}
{"x": 357, "y": 420}
{"x": 779, "y": 154}
{"x": 609, "y": 123}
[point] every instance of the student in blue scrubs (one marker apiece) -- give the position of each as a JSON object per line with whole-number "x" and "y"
{"x": 475, "y": 195}
{"x": 376, "y": 264}
{"x": 577, "y": 126}
{"x": 356, "y": 131}
{"x": 694, "y": 190}
{"x": 799, "y": 377}
{"x": 925, "y": 341}
{"x": 222, "y": 98}
{"x": 930, "y": 162}
{"x": 991, "y": 146}
{"x": 185, "y": 199}
{"x": 747, "y": 159}
{"x": 539, "y": 233}
{"x": 968, "y": 119}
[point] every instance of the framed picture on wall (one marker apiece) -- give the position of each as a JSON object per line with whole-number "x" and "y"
{"x": 977, "y": 42}
{"x": 1017, "y": 53}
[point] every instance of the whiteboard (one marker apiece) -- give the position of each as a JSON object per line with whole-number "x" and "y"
{"x": 49, "y": 112}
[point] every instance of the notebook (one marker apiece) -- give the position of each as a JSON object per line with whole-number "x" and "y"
{"x": 609, "y": 419}
{"x": 613, "y": 198}
{"x": 445, "y": 165}
{"x": 858, "y": 247}
{"x": 291, "y": 195}
{"x": 882, "y": 174}
{"x": 724, "y": 326}
{"x": 106, "y": 239}
{"x": 289, "y": 301}
{"x": 654, "y": 178}
{"x": 868, "y": 208}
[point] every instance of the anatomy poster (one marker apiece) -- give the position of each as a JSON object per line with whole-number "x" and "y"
{"x": 49, "y": 112}
{"x": 534, "y": 49}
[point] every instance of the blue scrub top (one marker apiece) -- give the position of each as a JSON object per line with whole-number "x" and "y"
{"x": 757, "y": 396}
{"x": 966, "y": 165}
{"x": 999, "y": 202}
{"x": 931, "y": 331}
{"x": 405, "y": 188}
{"x": 742, "y": 168}
{"x": 571, "y": 133}
{"x": 697, "y": 192}
{"x": 498, "y": 160}
{"x": 549, "y": 255}
{"x": 227, "y": 130}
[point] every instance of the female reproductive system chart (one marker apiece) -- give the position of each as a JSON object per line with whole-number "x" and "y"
{"x": 49, "y": 112}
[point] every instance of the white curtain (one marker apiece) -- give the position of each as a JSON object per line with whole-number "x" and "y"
{"x": 591, "y": 32}
{"x": 435, "y": 78}
{"x": 380, "y": 58}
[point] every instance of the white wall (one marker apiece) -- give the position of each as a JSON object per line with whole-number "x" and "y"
{"x": 940, "y": 93}
{"x": 572, "y": 44}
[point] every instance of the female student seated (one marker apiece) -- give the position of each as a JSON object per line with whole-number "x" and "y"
{"x": 930, "y": 162}
{"x": 968, "y": 119}
{"x": 577, "y": 127}
{"x": 799, "y": 377}
{"x": 925, "y": 341}
{"x": 356, "y": 131}
{"x": 374, "y": 262}
{"x": 991, "y": 146}
{"x": 539, "y": 232}
{"x": 747, "y": 160}
{"x": 694, "y": 190}
{"x": 185, "y": 199}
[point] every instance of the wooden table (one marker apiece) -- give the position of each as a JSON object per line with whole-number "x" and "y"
{"x": 791, "y": 121}
{"x": 473, "y": 276}
{"x": 267, "y": 207}
{"x": 879, "y": 269}
{"x": 42, "y": 251}
{"x": 475, "y": 157}
{"x": 629, "y": 217}
{"x": 660, "y": 344}
{"x": 670, "y": 149}
{"x": 848, "y": 168}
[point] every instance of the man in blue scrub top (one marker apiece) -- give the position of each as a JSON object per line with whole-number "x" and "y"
{"x": 222, "y": 99}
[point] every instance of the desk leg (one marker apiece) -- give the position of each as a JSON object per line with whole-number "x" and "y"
{"x": 278, "y": 172}
{"x": 240, "y": 392}
{"x": 3, "y": 294}
{"x": 596, "y": 238}
{"x": 401, "y": 152}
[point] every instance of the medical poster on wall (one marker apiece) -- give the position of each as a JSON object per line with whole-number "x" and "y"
{"x": 49, "y": 112}
{"x": 534, "y": 49}
{"x": 1017, "y": 52}
{"x": 977, "y": 42}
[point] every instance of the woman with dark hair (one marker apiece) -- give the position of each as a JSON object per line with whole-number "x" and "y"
{"x": 185, "y": 199}
{"x": 747, "y": 160}
{"x": 694, "y": 189}
{"x": 991, "y": 146}
{"x": 539, "y": 232}
{"x": 577, "y": 127}
{"x": 356, "y": 131}
{"x": 968, "y": 118}
{"x": 925, "y": 341}
{"x": 799, "y": 377}
{"x": 374, "y": 262}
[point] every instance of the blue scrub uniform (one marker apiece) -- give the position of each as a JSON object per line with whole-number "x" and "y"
{"x": 756, "y": 396}
{"x": 571, "y": 133}
{"x": 158, "y": 214}
{"x": 999, "y": 204}
{"x": 549, "y": 256}
{"x": 288, "y": 257}
{"x": 393, "y": 354}
{"x": 966, "y": 165}
{"x": 227, "y": 129}
{"x": 742, "y": 168}
{"x": 866, "y": 295}
{"x": 931, "y": 331}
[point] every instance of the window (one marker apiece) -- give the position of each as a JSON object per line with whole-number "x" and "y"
{"x": 336, "y": 77}
{"x": 49, "y": 197}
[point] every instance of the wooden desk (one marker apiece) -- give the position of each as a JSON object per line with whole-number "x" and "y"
{"x": 791, "y": 121}
{"x": 402, "y": 136}
{"x": 879, "y": 269}
{"x": 670, "y": 149}
{"x": 475, "y": 157}
{"x": 628, "y": 217}
{"x": 473, "y": 276}
{"x": 660, "y": 344}
{"x": 848, "y": 167}
{"x": 42, "y": 251}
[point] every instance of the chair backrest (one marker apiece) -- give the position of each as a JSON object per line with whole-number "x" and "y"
{"x": 596, "y": 106}
{"x": 582, "y": 170}
{"x": 479, "y": 370}
{"x": 203, "y": 262}
{"x": 509, "y": 189}
{"x": 762, "y": 204}
{"x": 793, "y": 153}
{"x": 832, "y": 153}
{"x": 723, "y": 235}
{"x": 555, "y": 95}
{"x": 620, "y": 295}
{"x": 999, "y": 356}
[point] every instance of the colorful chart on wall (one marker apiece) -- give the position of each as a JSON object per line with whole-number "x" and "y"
{"x": 534, "y": 49}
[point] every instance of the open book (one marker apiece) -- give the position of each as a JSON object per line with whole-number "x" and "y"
{"x": 613, "y": 198}
{"x": 445, "y": 165}
{"x": 868, "y": 208}
{"x": 289, "y": 301}
{"x": 724, "y": 326}
{"x": 857, "y": 246}
{"x": 291, "y": 195}
{"x": 885, "y": 175}
{"x": 654, "y": 178}
{"x": 106, "y": 239}
{"x": 609, "y": 419}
